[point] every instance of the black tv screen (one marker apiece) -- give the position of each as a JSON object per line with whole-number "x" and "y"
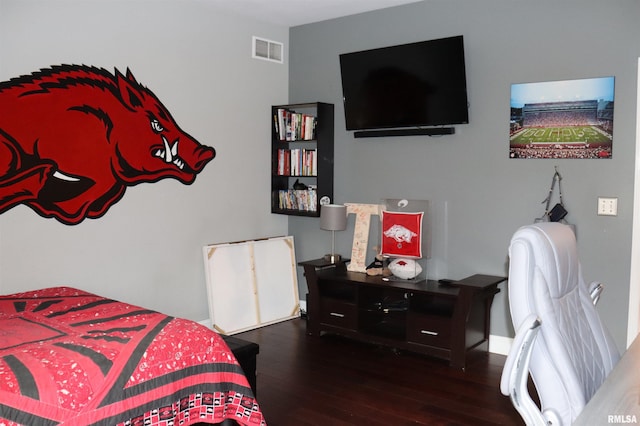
{"x": 410, "y": 85}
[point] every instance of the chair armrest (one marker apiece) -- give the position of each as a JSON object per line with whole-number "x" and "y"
{"x": 595, "y": 289}
{"x": 515, "y": 374}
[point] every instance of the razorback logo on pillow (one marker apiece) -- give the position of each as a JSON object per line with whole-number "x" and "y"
{"x": 402, "y": 234}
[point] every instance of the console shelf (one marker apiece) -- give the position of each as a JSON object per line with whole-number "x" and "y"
{"x": 445, "y": 321}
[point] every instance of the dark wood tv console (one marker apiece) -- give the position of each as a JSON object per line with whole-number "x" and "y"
{"x": 425, "y": 316}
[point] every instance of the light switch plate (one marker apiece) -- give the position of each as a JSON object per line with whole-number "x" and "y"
{"x": 607, "y": 206}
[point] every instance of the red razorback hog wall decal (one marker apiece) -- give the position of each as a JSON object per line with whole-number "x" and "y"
{"x": 72, "y": 138}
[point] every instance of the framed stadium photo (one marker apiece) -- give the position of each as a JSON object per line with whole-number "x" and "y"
{"x": 562, "y": 119}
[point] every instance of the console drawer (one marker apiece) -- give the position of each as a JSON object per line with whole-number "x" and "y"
{"x": 429, "y": 330}
{"x": 338, "y": 313}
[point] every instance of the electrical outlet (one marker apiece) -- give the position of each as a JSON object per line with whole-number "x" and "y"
{"x": 607, "y": 206}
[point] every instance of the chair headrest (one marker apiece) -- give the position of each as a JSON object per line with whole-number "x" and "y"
{"x": 553, "y": 248}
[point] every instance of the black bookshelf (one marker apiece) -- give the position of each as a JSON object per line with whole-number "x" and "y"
{"x": 305, "y": 132}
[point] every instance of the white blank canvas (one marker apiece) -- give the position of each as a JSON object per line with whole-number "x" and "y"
{"x": 251, "y": 283}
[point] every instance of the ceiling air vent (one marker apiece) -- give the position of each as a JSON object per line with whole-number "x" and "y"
{"x": 267, "y": 50}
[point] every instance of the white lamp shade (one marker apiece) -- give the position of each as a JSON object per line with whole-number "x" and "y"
{"x": 333, "y": 217}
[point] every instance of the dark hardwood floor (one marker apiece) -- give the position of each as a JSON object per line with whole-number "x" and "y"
{"x": 332, "y": 381}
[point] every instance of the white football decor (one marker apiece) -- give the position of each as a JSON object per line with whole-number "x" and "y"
{"x": 405, "y": 268}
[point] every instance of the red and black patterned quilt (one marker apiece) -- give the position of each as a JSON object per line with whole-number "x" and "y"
{"x": 68, "y": 357}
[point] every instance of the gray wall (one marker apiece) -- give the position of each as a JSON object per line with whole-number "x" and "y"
{"x": 147, "y": 249}
{"x": 479, "y": 196}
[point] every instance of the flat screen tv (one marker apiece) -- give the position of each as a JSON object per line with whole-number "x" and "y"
{"x": 406, "y": 86}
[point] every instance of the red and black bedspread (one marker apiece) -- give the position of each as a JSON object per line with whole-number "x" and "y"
{"x": 73, "y": 358}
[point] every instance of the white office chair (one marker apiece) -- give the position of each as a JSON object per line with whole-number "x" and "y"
{"x": 560, "y": 339}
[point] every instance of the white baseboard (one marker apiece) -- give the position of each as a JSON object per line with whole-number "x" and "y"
{"x": 500, "y": 344}
{"x": 205, "y": 322}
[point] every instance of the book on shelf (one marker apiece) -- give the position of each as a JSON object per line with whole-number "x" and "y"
{"x": 298, "y": 199}
{"x": 297, "y": 162}
{"x": 294, "y": 126}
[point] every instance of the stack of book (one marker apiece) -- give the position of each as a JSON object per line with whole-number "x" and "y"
{"x": 297, "y": 162}
{"x": 294, "y": 126}
{"x": 298, "y": 199}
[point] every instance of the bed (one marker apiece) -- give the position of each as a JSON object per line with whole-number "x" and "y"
{"x": 70, "y": 357}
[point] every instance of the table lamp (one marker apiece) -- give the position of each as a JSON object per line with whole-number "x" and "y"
{"x": 333, "y": 217}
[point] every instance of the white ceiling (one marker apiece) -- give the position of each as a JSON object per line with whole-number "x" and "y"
{"x": 290, "y": 13}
